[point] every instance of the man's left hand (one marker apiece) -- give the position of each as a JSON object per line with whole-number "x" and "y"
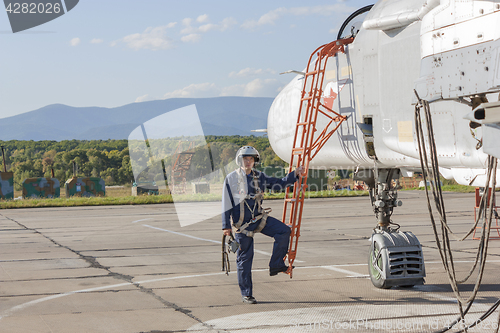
{"x": 300, "y": 171}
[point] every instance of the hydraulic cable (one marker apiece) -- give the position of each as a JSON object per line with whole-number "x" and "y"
{"x": 436, "y": 182}
{"x": 430, "y": 167}
{"x": 456, "y": 321}
{"x": 483, "y": 317}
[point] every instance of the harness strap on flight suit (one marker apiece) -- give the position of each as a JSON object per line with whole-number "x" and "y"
{"x": 239, "y": 226}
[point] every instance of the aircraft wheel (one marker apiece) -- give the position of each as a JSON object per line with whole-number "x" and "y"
{"x": 376, "y": 263}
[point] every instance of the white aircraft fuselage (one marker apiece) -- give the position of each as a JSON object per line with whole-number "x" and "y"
{"x": 447, "y": 51}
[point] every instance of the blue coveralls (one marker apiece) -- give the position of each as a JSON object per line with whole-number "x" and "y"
{"x": 274, "y": 228}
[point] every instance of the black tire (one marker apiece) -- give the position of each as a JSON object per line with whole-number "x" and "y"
{"x": 375, "y": 276}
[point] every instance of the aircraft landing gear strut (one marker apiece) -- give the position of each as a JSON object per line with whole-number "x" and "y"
{"x": 395, "y": 258}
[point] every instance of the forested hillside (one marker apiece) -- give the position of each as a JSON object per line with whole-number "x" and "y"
{"x": 227, "y": 115}
{"x": 108, "y": 159}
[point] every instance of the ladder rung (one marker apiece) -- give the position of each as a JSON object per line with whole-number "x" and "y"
{"x": 302, "y": 124}
{"x": 306, "y": 98}
{"x": 315, "y": 72}
{"x": 290, "y": 199}
{"x": 297, "y": 151}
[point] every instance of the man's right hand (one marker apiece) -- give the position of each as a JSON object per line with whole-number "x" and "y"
{"x": 227, "y": 232}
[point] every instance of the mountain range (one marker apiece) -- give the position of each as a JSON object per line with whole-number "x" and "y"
{"x": 218, "y": 116}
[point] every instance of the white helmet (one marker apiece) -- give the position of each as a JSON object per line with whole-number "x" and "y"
{"x": 247, "y": 151}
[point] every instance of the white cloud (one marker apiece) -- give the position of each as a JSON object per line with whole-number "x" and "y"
{"x": 189, "y": 30}
{"x": 207, "y": 27}
{"x": 143, "y": 98}
{"x": 191, "y": 38}
{"x": 266, "y": 19}
{"x": 257, "y": 87}
{"x": 202, "y": 18}
{"x": 272, "y": 16}
{"x": 152, "y": 39}
{"x": 96, "y": 41}
{"x": 195, "y": 90}
{"x": 254, "y": 88}
{"x": 75, "y": 41}
{"x": 225, "y": 24}
{"x": 324, "y": 10}
{"x": 251, "y": 72}
{"x": 156, "y": 38}
{"x": 187, "y": 21}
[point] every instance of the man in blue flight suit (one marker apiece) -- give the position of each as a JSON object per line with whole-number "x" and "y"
{"x": 242, "y": 202}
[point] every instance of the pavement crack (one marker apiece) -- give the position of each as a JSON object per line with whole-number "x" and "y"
{"x": 127, "y": 278}
{"x": 92, "y": 261}
{"x": 168, "y": 304}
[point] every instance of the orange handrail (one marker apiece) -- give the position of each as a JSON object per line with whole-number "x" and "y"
{"x": 307, "y": 143}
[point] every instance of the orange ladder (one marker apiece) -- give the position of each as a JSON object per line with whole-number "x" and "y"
{"x": 307, "y": 142}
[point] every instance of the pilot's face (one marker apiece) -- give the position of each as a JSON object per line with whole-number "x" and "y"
{"x": 248, "y": 162}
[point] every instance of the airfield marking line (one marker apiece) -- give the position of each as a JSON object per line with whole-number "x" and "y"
{"x": 49, "y": 298}
{"x": 436, "y": 296}
{"x": 345, "y": 271}
{"x": 181, "y": 234}
{"x": 331, "y": 267}
{"x": 203, "y": 239}
{"x": 141, "y": 220}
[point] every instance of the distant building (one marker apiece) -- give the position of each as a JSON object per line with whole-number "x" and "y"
{"x": 85, "y": 187}
{"x": 6, "y": 185}
{"x": 149, "y": 188}
{"x": 41, "y": 188}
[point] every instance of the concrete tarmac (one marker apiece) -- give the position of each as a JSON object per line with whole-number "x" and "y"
{"x": 135, "y": 269}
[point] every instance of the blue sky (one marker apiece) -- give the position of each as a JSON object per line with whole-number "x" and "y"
{"x": 110, "y": 53}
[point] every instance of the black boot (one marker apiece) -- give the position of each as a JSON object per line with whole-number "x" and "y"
{"x": 275, "y": 271}
{"x": 249, "y": 300}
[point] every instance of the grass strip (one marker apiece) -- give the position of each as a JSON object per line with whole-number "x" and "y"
{"x": 92, "y": 201}
{"x": 163, "y": 198}
{"x": 151, "y": 199}
{"x": 448, "y": 188}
